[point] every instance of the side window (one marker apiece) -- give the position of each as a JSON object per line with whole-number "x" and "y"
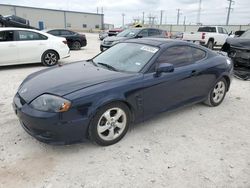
{"x": 177, "y": 55}
{"x": 220, "y": 30}
{"x": 65, "y": 32}
{"x": 153, "y": 32}
{"x": 29, "y": 35}
{"x": 6, "y": 36}
{"x": 197, "y": 54}
{"x": 144, "y": 33}
{"x": 54, "y": 32}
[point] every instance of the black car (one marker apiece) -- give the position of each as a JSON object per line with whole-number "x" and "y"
{"x": 132, "y": 33}
{"x": 14, "y": 21}
{"x": 239, "y": 49}
{"x": 75, "y": 40}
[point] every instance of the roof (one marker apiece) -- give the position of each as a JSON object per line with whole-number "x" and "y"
{"x": 50, "y": 9}
{"x": 15, "y": 28}
{"x": 156, "y": 41}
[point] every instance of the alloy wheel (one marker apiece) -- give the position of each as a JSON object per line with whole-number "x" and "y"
{"x": 111, "y": 124}
{"x": 219, "y": 92}
{"x": 50, "y": 58}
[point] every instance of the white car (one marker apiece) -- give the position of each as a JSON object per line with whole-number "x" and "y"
{"x": 22, "y": 46}
{"x": 209, "y": 36}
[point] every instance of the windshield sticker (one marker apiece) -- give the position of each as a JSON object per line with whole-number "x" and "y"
{"x": 149, "y": 49}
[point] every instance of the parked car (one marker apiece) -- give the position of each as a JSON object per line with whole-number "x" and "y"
{"x": 209, "y": 36}
{"x": 75, "y": 40}
{"x": 132, "y": 33}
{"x": 177, "y": 35}
{"x": 114, "y": 32}
{"x": 110, "y": 91}
{"x": 14, "y": 21}
{"x": 22, "y": 46}
{"x": 239, "y": 49}
{"x": 103, "y": 35}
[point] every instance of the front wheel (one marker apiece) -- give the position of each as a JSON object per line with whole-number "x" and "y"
{"x": 217, "y": 94}
{"x": 50, "y": 58}
{"x": 110, "y": 124}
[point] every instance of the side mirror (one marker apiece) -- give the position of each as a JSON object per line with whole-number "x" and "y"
{"x": 164, "y": 67}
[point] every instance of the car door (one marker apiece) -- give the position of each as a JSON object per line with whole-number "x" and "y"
{"x": 31, "y": 46}
{"x": 174, "y": 89}
{"x": 222, "y": 36}
{"x": 9, "y": 53}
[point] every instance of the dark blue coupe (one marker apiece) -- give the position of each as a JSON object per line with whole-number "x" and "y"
{"x": 131, "y": 82}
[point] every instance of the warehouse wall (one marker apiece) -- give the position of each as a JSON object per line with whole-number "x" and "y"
{"x": 55, "y": 18}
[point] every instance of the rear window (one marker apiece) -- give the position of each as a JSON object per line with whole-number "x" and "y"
{"x": 197, "y": 54}
{"x": 207, "y": 29}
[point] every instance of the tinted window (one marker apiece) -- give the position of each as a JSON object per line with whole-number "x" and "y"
{"x": 144, "y": 33}
{"x": 6, "y": 36}
{"x": 29, "y": 35}
{"x": 153, "y": 32}
{"x": 84, "y": 25}
{"x": 54, "y": 32}
{"x": 197, "y": 54}
{"x": 207, "y": 29}
{"x": 178, "y": 56}
{"x": 65, "y": 32}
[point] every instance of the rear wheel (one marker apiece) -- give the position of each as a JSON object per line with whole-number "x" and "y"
{"x": 210, "y": 45}
{"x": 76, "y": 45}
{"x": 50, "y": 58}
{"x": 110, "y": 124}
{"x": 217, "y": 94}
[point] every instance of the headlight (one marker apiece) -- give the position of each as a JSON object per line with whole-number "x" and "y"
{"x": 50, "y": 103}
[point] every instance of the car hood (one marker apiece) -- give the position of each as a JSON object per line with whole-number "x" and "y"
{"x": 65, "y": 80}
{"x": 239, "y": 42}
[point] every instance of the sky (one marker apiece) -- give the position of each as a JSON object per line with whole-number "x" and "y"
{"x": 212, "y": 12}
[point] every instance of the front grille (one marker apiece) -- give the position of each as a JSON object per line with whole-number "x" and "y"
{"x": 19, "y": 101}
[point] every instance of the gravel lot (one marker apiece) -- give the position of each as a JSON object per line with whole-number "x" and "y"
{"x": 196, "y": 146}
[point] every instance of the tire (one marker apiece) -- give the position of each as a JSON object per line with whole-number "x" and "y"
{"x": 217, "y": 93}
{"x": 210, "y": 45}
{"x": 50, "y": 58}
{"x": 110, "y": 124}
{"x": 101, "y": 49}
{"x": 76, "y": 45}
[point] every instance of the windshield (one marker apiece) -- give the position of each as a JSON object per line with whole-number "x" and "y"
{"x": 128, "y": 33}
{"x": 126, "y": 57}
{"x": 246, "y": 35}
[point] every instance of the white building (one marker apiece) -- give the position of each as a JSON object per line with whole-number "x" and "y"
{"x": 54, "y": 19}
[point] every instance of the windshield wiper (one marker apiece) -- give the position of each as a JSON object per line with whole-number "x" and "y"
{"x": 91, "y": 60}
{"x": 108, "y": 66}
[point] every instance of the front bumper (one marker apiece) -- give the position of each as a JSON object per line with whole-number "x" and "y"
{"x": 240, "y": 56}
{"x": 54, "y": 128}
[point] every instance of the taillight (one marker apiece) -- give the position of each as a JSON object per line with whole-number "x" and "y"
{"x": 203, "y": 36}
{"x": 65, "y": 42}
{"x": 166, "y": 33}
